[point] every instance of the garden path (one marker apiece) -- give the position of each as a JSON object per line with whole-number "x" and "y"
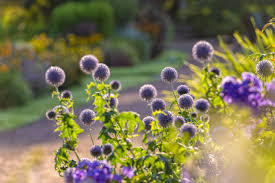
{"x": 29, "y": 149}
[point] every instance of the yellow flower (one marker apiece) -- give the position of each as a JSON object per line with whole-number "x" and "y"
{"x": 3, "y": 68}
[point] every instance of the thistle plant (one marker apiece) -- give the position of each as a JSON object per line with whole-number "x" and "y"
{"x": 165, "y": 145}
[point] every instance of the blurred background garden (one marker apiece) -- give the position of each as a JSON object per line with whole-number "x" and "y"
{"x": 136, "y": 38}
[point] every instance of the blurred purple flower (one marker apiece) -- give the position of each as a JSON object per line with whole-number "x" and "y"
{"x": 128, "y": 172}
{"x": 243, "y": 92}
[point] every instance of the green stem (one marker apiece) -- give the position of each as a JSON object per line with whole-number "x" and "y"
{"x": 77, "y": 155}
{"x": 172, "y": 87}
{"x": 91, "y": 136}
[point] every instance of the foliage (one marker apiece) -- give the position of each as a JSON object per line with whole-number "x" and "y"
{"x": 224, "y": 17}
{"x": 19, "y": 23}
{"x": 124, "y": 10}
{"x": 70, "y": 14}
{"x": 164, "y": 149}
{"x": 14, "y": 90}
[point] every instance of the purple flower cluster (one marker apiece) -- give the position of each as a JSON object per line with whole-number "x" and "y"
{"x": 91, "y": 171}
{"x": 244, "y": 92}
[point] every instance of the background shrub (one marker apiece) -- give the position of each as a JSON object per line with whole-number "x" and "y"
{"x": 119, "y": 53}
{"x": 124, "y": 10}
{"x": 140, "y": 41}
{"x": 70, "y": 14}
{"x": 14, "y": 90}
{"x": 209, "y": 18}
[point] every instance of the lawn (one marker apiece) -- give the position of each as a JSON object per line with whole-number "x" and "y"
{"x": 129, "y": 77}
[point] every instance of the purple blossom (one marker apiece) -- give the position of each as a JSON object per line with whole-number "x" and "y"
{"x": 128, "y": 172}
{"x": 94, "y": 171}
{"x": 243, "y": 92}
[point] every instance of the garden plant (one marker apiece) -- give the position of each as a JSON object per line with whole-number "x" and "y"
{"x": 176, "y": 143}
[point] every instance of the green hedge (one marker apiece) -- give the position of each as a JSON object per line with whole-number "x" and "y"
{"x": 69, "y": 14}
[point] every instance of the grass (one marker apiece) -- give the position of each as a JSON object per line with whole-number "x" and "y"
{"x": 129, "y": 77}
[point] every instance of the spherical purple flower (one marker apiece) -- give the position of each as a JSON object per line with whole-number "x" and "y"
{"x": 60, "y": 109}
{"x": 111, "y": 100}
{"x": 115, "y": 85}
{"x": 202, "y": 51}
{"x": 102, "y": 73}
{"x": 87, "y": 116}
{"x": 147, "y": 92}
{"x": 165, "y": 119}
{"x": 67, "y": 94}
{"x": 216, "y": 71}
{"x": 158, "y": 104}
{"x": 185, "y": 101}
{"x": 147, "y": 122}
{"x": 169, "y": 75}
{"x": 55, "y": 76}
{"x": 202, "y": 105}
{"x": 204, "y": 118}
{"x": 183, "y": 89}
{"x": 96, "y": 151}
{"x": 194, "y": 115}
{"x": 51, "y": 114}
{"x": 68, "y": 175}
{"x": 107, "y": 149}
{"x": 189, "y": 128}
{"x": 88, "y": 64}
{"x": 264, "y": 68}
{"x": 179, "y": 121}
{"x": 128, "y": 172}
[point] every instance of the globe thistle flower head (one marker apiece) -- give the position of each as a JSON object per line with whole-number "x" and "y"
{"x": 264, "y": 68}
{"x": 85, "y": 162}
{"x": 147, "y": 92}
{"x": 216, "y": 71}
{"x": 101, "y": 73}
{"x": 111, "y": 100}
{"x": 87, "y": 116}
{"x": 147, "y": 122}
{"x": 68, "y": 175}
{"x": 107, "y": 149}
{"x": 188, "y": 128}
{"x": 96, "y": 151}
{"x": 51, "y": 114}
{"x": 169, "y": 75}
{"x": 60, "y": 109}
{"x": 202, "y": 105}
{"x": 158, "y": 104}
{"x": 194, "y": 115}
{"x": 204, "y": 118}
{"x": 202, "y": 51}
{"x": 183, "y": 89}
{"x": 179, "y": 121}
{"x": 88, "y": 64}
{"x": 67, "y": 94}
{"x": 55, "y": 76}
{"x": 115, "y": 85}
{"x": 185, "y": 101}
{"x": 165, "y": 119}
